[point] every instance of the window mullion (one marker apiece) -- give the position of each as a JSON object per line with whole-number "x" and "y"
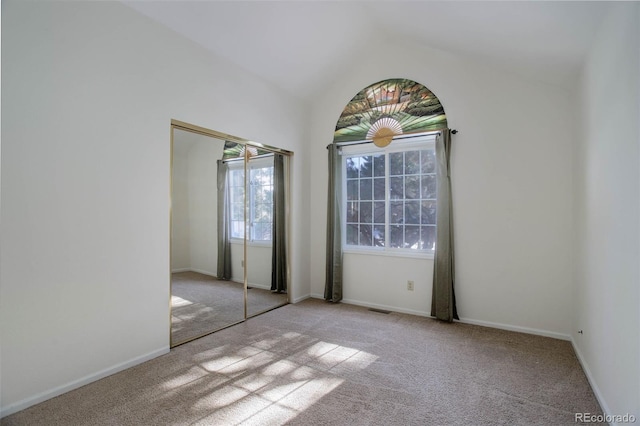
{"x": 387, "y": 201}
{"x": 252, "y": 200}
{"x": 344, "y": 202}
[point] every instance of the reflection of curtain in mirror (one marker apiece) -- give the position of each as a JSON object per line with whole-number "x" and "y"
{"x": 278, "y": 236}
{"x": 224, "y": 219}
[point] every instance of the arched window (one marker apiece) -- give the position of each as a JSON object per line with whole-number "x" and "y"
{"x": 387, "y": 109}
{"x": 389, "y": 191}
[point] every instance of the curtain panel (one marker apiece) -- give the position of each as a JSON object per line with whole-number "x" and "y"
{"x": 278, "y": 236}
{"x": 333, "y": 275}
{"x": 224, "y": 220}
{"x": 443, "y": 300}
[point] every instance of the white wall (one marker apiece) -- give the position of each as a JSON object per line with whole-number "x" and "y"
{"x": 258, "y": 264}
{"x": 203, "y": 204}
{"x": 511, "y": 182}
{"x": 88, "y": 92}
{"x": 607, "y": 232}
{"x": 180, "y": 227}
{"x": 194, "y": 211}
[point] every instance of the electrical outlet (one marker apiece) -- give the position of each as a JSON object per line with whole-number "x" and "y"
{"x": 410, "y": 285}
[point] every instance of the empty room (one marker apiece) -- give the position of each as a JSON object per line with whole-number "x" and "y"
{"x": 320, "y": 212}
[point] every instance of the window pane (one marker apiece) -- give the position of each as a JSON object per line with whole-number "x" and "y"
{"x": 237, "y": 229}
{"x": 428, "y": 237}
{"x": 396, "y": 210}
{"x": 366, "y": 166}
{"x": 428, "y": 215}
{"x": 412, "y": 187}
{"x": 258, "y": 213}
{"x": 366, "y": 190}
{"x": 429, "y": 187}
{"x": 378, "y": 235}
{"x": 353, "y": 167}
{"x": 378, "y": 189}
{"x": 352, "y": 235}
{"x": 268, "y": 176}
{"x": 378, "y": 165}
{"x": 366, "y": 212}
{"x": 237, "y": 178}
{"x": 411, "y": 162}
{"x": 412, "y": 237}
{"x": 237, "y": 193}
{"x": 352, "y": 211}
{"x": 237, "y": 210}
{"x": 428, "y": 161}
{"x": 262, "y": 232}
{"x": 352, "y": 189}
{"x": 408, "y": 212}
{"x": 396, "y": 187}
{"x": 262, "y": 194}
{"x": 397, "y": 236}
{"x": 412, "y": 212}
{"x": 378, "y": 212}
{"x": 254, "y": 176}
{"x": 396, "y": 160}
{"x": 366, "y": 236}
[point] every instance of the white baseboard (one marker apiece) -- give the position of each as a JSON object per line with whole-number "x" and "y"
{"x": 375, "y": 305}
{"x": 260, "y": 286}
{"x": 203, "y": 272}
{"x": 592, "y": 382}
{"x": 200, "y": 271}
{"x": 301, "y": 298}
{"x": 386, "y": 307}
{"x": 517, "y": 328}
{"x": 254, "y": 285}
{"x": 500, "y": 326}
{"x": 214, "y": 275}
{"x": 43, "y": 396}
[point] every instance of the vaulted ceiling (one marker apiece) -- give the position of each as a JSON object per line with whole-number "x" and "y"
{"x": 297, "y": 44}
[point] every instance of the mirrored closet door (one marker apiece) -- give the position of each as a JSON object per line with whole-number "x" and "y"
{"x": 229, "y": 230}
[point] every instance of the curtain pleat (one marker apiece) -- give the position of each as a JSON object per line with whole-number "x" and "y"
{"x": 333, "y": 275}
{"x": 278, "y": 236}
{"x": 224, "y": 216}
{"x": 443, "y": 301}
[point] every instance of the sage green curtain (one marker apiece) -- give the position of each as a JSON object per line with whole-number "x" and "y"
{"x": 224, "y": 221}
{"x": 443, "y": 300}
{"x": 278, "y": 235}
{"x": 333, "y": 275}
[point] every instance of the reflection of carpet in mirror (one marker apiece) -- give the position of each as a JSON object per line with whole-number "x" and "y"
{"x": 201, "y": 304}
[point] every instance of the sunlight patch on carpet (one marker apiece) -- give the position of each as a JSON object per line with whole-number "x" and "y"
{"x": 264, "y": 388}
{"x": 177, "y": 301}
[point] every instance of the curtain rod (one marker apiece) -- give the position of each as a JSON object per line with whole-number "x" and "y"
{"x": 408, "y": 136}
{"x": 228, "y": 160}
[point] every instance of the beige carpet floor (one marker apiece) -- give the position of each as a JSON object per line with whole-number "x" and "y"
{"x": 201, "y": 304}
{"x": 316, "y": 363}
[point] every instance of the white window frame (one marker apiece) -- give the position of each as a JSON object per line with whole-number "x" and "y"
{"x": 258, "y": 163}
{"x": 397, "y": 145}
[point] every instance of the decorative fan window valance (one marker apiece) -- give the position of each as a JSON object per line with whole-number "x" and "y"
{"x": 236, "y": 150}
{"x": 387, "y": 109}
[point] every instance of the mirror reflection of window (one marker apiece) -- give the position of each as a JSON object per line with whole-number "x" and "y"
{"x": 259, "y": 201}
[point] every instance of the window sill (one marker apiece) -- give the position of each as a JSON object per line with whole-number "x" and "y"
{"x": 240, "y": 242}
{"x": 388, "y": 253}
